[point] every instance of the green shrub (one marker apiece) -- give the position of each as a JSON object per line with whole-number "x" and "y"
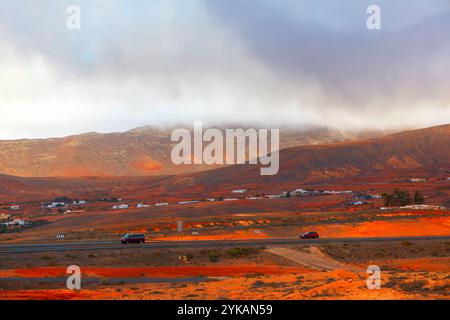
{"x": 415, "y": 285}
{"x": 189, "y": 256}
{"x": 241, "y": 252}
{"x": 213, "y": 256}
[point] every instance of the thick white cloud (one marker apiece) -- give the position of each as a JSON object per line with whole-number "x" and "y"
{"x": 271, "y": 63}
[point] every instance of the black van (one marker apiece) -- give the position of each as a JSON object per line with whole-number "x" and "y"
{"x": 133, "y": 238}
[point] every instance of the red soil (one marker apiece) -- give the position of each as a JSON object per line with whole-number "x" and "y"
{"x": 162, "y": 272}
{"x": 438, "y": 226}
{"x": 418, "y": 264}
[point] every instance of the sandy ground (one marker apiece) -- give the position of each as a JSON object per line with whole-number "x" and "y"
{"x": 337, "y": 284}
{"x": 207, "y": 271}
{"x": 313, "y": 258}
{"x": 332, "y": 271}
{"x": 435, "y": 226}
{"x": 336, "y": 272}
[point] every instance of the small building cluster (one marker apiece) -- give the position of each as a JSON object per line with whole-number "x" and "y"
{"x": 417, "y": 180}
{"x": 8, "y": 224}
{"x": 424, "y": 207}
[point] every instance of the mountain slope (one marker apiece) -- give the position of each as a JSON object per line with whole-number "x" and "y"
{"x": 139, "y": 152}
{"x": 423, "y": 151}
{"x": 416, "y": 152}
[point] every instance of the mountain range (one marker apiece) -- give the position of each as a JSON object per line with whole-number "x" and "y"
{"x": 422, "y": 152}
{"x": 142, "y": 151}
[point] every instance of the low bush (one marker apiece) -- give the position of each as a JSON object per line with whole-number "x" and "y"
{"x": 213, "y": 256}
{"x": 241, "y": 252}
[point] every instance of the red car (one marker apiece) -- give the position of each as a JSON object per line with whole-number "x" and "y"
{"x": 133, "y": 238}
{"x": 309, "y": 235}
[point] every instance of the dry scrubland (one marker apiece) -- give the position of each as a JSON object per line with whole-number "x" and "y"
{"x": 410, "y": 269}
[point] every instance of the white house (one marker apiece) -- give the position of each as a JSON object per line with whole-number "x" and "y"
{"x": 187, "y": 202}
{"x": 160, "y": 204}
{"x": 120, "y": 206}
{"x": 337, "y": 192}
{"x": 302, "y": 192}
{"x": 273, "y": 196}
{"x": 78, "y": 202}
{"x": 17, "y": 222}
{"x": 239, "y": 191}
{"x": 424, "y": 207}
{"x": 56, "y": 205}
{"x": 417, "y": 180}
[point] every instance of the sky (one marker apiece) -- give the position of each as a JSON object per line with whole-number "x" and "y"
{"x": 267, "y": 63}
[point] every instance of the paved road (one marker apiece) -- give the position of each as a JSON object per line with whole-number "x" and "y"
{"x": 8, "y": 248}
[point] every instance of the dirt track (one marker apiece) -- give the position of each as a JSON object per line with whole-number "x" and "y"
{"x": 314, "y": 259}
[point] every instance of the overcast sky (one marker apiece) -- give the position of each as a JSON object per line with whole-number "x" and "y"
{"x": 267, "y": 62}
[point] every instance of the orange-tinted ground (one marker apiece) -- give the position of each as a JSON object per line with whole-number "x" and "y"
{"x": 330, "y": 215}
{"x": 418, "y": 264}
{"x": 421, "y": 270}
{"x": 166, "y": 272}
{"x": 417, "y": 227}
{"x": 336, "y": 284}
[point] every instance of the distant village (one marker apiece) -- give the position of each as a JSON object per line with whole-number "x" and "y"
{"x": 12, "y": 220}
{"x": 9, "y": 222}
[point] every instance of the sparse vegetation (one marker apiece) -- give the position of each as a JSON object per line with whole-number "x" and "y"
{"x": 189, "y": 256}
{"x": 397, "y": 198}
{"x": 441, "y": 288}
{"x": 415, "y": 285}
{"x": 241, "y": 252}
{"x": 213, "y": 256}
{"x": 405, "y": 249}
{"x": 409, "y": 286}
{"x": 261, "y": 284}
{"x": 402, "y": 198}
{"x": 62, "y": 199}
{"x": 418, "y": 198}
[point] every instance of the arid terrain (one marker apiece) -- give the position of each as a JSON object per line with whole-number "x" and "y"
{"x": 233, "y": 245}
{"x": 139, "y": 152}
{"x": 409, "y": 270}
